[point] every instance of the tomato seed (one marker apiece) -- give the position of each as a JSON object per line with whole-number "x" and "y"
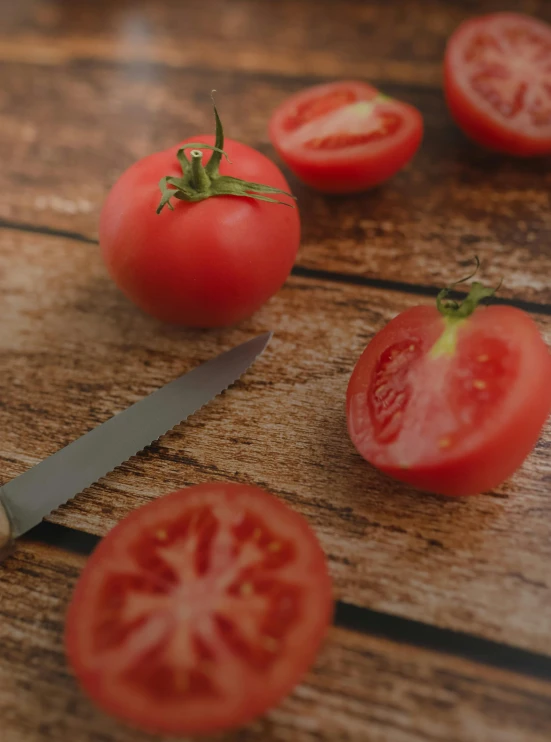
{"x": 270, "y": 644}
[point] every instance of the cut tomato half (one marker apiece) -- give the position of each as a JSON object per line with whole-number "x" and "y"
{"x": 200, "y": 610}
{"x": 497, "y": 75}
{"x": 345, "y": 136}
{"x": 451, "y": 403}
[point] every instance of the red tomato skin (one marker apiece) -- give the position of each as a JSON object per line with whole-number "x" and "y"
{"x": 493, "y": 454}
{"x": 475, "y": 122}
{"x": 207, "y": 264}
{"x": 260, "y": 700}
{"x": 354, "y": 171}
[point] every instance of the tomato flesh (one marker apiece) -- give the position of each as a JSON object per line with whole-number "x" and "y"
{"x": 498, "y": 82}
{"x": 345, "y": 137}
{"x": 453, "y": 408}
{"x": 200, "y": 610}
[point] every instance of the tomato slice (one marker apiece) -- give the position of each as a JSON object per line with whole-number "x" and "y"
{"x": 498, "y": 82}
{"x": 200, "y": 610}
{"x": 345, "y": 136}
{"x": 451, "y": 408}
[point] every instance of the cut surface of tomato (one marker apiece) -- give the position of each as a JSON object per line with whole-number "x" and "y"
{"x": 345, "y": 136}
{"x": 497, "y": 75}
{"x": 451, "y": 406}
{"x": 200, "y": 610}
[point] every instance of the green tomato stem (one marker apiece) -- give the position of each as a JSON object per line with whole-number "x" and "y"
{"x": 463, "y": 309}
{"x": 455, "y": 313}
{"x": 198, "y": 183}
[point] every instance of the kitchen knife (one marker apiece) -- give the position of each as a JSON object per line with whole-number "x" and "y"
{"x": 25, "y": 500}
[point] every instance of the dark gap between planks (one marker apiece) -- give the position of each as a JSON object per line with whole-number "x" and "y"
{"x": 410, "y": 288}
{"x": 362, "y": 620}
{"x": 39, "y": 229}
{"x": 299, "y": 271}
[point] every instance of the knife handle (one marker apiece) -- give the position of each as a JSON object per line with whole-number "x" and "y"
{"x": 6, "y": 533}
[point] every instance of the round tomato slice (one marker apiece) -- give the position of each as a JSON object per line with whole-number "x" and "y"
{"x": 200, "y": 610}
{"x": 345, "y": 136}
{"x": 497, "y": 75}
{"x": 452, "y": 405}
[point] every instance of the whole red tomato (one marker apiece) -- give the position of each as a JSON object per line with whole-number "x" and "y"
{"x": 451, "y": 399}
{"x": 218, "y": 249}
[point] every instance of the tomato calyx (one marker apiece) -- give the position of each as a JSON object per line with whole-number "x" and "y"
{"x": 199, "y": 182}
{"x": 455, "y": 313}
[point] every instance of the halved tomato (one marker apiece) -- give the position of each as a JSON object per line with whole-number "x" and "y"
{"x": 451, "y": 400}
{"x": 343, "y": 137}
{"x": 497, "y": 76}
{"x": 200, "y": 610}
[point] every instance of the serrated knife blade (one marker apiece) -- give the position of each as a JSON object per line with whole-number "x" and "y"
{"x": 27, "y": 499}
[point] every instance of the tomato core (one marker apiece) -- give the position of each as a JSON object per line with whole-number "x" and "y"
{"x": 315, "y": 108}
{"x": 384, "y": 125}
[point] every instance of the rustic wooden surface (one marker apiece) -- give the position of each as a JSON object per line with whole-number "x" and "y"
{"x": 444, "y": 607}
{"x": 362, "y": 687}
{"x": 131, "y": 78}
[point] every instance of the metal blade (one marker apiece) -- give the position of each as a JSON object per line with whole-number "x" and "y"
{"x": 49, "y": 484}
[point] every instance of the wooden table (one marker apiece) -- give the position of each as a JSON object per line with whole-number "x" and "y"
{"x": 443, "y": 614}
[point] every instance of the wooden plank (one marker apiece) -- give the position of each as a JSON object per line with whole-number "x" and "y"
{"x": 63, "y": 146}
{"x": 73, "y": 352}
{"x": 361, "y": 687}
{"x": 373, "y": 39}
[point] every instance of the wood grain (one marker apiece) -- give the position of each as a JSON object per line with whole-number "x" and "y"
{"x": 98, "y": 90}
{"x": 88, "y": 88}
{"x": 320, "y": 38}
{"x": 361, "y": 688}
{"x": 73, "y": 352}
